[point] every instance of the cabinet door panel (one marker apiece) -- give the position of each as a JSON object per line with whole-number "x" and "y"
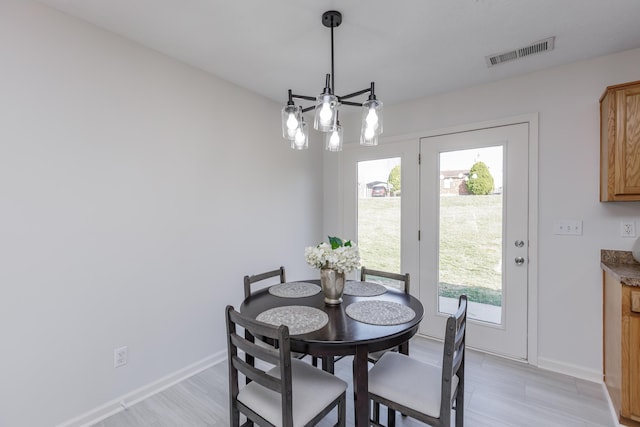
{"x": 634, "y": 366}
{"x": 612, "y": 318}
{"x": 628, "y": 141}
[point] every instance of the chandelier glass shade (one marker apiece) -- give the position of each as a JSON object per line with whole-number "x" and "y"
{"x": 371, "y": 122}
{"x": 333, "y": 139}
{"x": 326, "y": 116}
{"x": 301, "y": 139}
{"x": 291, "y": 119}
{"x": 327, "y": 106}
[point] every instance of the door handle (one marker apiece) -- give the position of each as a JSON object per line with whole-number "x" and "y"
{"x": 519, "y": 260}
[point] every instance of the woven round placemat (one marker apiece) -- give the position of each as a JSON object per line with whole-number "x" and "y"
{"x": 294, "y": 289}
{"x": 363, "y": 289}
{"x": 380, "y": 312}
{"x": 299, "y": 319}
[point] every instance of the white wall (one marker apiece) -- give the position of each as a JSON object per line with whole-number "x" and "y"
{"x": 566, "y": 98}
{"x": 135, "y": 193}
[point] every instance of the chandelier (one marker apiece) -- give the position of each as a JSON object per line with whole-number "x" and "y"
{"x": 326, "y": 107}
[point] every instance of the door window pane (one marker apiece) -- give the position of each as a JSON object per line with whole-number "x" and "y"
{"x": 470, "y": 231}
{"x": 379, "y": 192}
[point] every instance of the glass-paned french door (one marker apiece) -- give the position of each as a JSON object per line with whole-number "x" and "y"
{"x": 474, "y": 217}
{"x": 381, "y": 205}
{"x": 460, "y": 230}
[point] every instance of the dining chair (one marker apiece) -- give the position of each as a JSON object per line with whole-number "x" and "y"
{"x": 251, "y": 283}
{"x": 395, "y": 280}
{"x": 282, "y": 391}
{"x": 423, "y": 391}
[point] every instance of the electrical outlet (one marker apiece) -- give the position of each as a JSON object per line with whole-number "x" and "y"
{"x": 120, "y": 356}
{"x": 627, "y": 228}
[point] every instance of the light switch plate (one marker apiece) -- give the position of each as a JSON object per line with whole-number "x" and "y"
{"x": 570, "y": 227}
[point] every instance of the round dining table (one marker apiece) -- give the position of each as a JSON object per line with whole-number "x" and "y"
{"x": 342, "y": 334}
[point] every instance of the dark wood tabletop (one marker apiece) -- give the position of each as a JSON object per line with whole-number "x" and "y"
{"x": 343, "y": 335}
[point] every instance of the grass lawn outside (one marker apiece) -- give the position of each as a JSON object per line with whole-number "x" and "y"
{"x": 379, "y": 233}
{"x": 470, "y": 243}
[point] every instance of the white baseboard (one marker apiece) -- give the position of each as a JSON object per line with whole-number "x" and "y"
{"x": 614, "y": 413}
{"x": 585, "y": 374}
{"x": 569, "y": 369}
{"x": 121, "y": 403}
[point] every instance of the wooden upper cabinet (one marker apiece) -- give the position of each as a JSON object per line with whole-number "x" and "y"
{"x": 620, "y": 143}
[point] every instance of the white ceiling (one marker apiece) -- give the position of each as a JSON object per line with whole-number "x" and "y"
{"x": 410, "y": 48}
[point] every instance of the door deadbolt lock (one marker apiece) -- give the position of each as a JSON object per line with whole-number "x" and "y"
{"x": 519, "y": 260}
{"x": 519, "y": 243}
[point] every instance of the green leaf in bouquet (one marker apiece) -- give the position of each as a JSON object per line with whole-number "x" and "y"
{"x": 336, "y": 242}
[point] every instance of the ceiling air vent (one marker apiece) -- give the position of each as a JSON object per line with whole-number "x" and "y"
{"x": 537, "y": 47}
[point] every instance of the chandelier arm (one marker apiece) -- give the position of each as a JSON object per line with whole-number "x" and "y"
{"x": 354, "y": 94}
{"x": 355, "y": 104}
{"x": 308, "y": 98}
{"x": 313, "y": 107}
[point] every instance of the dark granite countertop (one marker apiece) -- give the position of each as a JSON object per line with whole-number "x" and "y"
{"x": 621, "y": 265}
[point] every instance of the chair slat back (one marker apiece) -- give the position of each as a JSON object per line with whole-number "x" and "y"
{"x": 255, "y": 374}
{"x": 250, "y": 280}
{"x": 402, "y": 278}
{"x": 267, "y": 354}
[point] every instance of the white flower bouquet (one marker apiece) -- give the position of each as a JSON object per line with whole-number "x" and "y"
{"x": 341, "y": 256}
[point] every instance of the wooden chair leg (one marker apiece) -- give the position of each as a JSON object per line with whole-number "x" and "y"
{"x": 391, "y": 417}
{"x": 328, "y": 364}
{"x": 234, "y": 418}
{"x": 460, "y": 409}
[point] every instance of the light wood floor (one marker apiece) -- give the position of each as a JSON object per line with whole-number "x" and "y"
{"x": 499, "y": 392}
